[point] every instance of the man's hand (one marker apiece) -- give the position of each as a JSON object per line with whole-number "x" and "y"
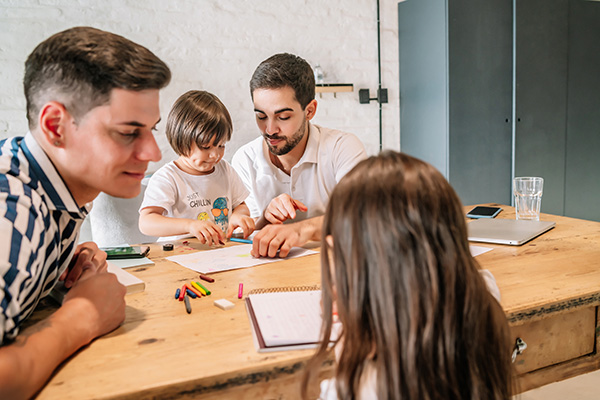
{"x": 207, "y": 232}
{"x": 87, "y": 256}
{"x": 281, "y": 208}
{"x": 282, "y": 237}
{"x": 95, "y": 305}
{"x": 273, "y": 238}
{"x": 100, "y": 298}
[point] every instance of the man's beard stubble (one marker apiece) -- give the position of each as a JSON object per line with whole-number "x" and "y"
{"x": 290, "y": 143}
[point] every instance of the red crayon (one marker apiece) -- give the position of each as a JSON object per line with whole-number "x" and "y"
{"x": 182, "y": 293}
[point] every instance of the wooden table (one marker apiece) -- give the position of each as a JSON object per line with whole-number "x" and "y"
{"x": 550, "y": 291}
{"x": 160, "y": 351}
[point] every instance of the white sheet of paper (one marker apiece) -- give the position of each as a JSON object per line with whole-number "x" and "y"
{"x": 227, "y": 258}
{"x": 478, "y": 250}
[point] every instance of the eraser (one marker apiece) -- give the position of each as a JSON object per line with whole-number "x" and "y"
{"x": 224, "y": 304}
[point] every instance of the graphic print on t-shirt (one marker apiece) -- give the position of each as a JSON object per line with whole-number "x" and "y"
{"x": 220, "y": 213}
{"x": 203, "y": 216}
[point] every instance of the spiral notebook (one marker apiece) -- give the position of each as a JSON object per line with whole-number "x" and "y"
{"x": 286, "y": 318}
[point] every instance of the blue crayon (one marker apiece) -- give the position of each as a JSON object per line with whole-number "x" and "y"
{"x": 190, "y": 293}
{"x": 177, "y": 293}
{"x": 240, "y": 240}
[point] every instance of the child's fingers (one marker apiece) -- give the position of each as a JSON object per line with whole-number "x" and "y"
{"x": 216, "y": 234}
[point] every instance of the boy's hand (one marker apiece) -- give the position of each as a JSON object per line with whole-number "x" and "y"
{"x": 283, "y": 207}
{"x": 245, "y": 222}
{"x": 207, "y": 232}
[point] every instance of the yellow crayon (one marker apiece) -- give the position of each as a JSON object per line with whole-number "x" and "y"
{"x": 203, "y": 287}
{"x": 194, "y": 284}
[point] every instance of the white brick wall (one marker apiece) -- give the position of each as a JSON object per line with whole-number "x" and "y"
{"x": 215, "y": 45}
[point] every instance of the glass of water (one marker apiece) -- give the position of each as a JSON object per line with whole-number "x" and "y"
{"x": 528, "y": 197}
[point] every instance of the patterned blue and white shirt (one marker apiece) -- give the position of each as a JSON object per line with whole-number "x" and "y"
{"x": 39, "y": 227}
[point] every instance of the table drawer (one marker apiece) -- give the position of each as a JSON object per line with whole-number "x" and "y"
{"x": 555, "y": 339}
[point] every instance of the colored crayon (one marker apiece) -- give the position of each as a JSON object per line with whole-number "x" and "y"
{"x": 194, "y": 284}
{"x": 193, "y": 289}
{"x": 206, "y": 278}
{"x": 182, "y": 293}
{"x": 188, "y": 306}
{"x": 204, "y": 287}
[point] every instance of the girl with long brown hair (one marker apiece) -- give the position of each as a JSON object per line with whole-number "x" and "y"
{"x": 417, "y": 320}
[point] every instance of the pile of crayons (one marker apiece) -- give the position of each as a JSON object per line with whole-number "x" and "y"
{"x": 193, "y": 289}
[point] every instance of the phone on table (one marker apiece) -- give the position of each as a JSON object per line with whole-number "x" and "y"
{"x": 484, "y": 212}
{"x": 121, "y": 252}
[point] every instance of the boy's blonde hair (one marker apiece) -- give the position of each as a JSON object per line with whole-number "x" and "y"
{"x": 197, "y": 117}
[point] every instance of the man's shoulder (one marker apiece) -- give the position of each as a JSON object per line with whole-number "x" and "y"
{"x": 338, "y": 139}
{"x": 9, "y": 149}
{"x": 250, "y": 149}
{"x": 248, "y": 154}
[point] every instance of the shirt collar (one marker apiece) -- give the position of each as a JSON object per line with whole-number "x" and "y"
{"x": 42, "y": 170}
{"x": 312, "y": 145}
{"x": 310, "y": 152}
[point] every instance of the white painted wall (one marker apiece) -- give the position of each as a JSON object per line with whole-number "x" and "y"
{"x": 215, "y": 45}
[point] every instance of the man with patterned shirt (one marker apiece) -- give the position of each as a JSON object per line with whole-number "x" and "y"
{"x": 92, "y": 103}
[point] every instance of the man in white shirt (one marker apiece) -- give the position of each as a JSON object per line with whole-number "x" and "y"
{"x": 292, "y": 168}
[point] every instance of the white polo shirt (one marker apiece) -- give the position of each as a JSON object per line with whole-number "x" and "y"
{"x": 328, "y": 156}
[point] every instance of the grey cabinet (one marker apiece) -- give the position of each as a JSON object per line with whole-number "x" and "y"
{"x": 456, "y": 92}
{"x": 467, "y": 116}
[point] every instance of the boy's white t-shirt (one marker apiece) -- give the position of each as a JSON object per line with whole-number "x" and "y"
{"x": 202, "y": 197}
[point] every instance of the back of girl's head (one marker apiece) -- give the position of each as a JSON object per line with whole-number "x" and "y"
{"x": 197, "y": 117}
{"x": 407, "y": 290}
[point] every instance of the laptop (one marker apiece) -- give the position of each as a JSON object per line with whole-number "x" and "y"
{"x": 506, "y": 231}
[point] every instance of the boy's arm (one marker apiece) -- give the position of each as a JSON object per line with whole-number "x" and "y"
{"x": 94, "y": 306}
{"x": 152, "y": 222}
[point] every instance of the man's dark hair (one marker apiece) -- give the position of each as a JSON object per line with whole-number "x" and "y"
{"x": 80, "y": 66}
{"x": 282, "y": 70}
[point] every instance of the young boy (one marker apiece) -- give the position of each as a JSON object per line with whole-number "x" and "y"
{"x": 199, "y": 194}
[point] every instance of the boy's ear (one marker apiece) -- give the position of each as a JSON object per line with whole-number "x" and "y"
{"x": 52, "y": 120}
{"x": 311, "y": 109}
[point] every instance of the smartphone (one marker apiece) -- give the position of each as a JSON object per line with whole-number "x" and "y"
{"x": 115, "y": 253}
{"x": 484, "y": 212}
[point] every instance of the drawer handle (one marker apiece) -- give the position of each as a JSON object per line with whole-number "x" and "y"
{"x": 520, "y": 346}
